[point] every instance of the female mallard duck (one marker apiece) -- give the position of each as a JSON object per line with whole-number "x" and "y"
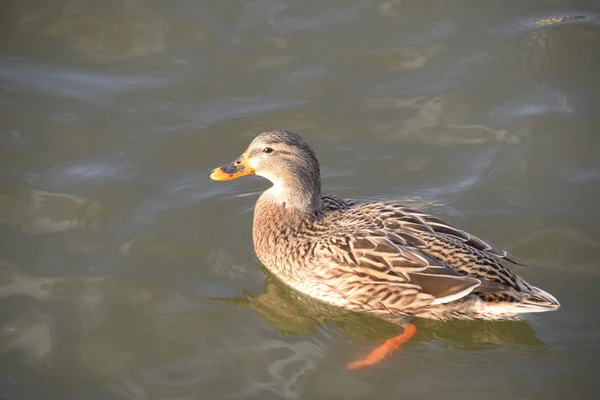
{"x": 380, "y": 258}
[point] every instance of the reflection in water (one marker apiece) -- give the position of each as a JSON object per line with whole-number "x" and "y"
{"x": 29, "y": 334}
{"x": 436, "y": 79}
{"x": 292, "y": 313}
{"x": 118, "y": 326}
{"x": 13, "y": 282}
{"x": 540, "y": 20}
{"x": 398, "y": 59}
{"x": 108, "y": 336}
{"x": 126, "y": 29}
{"x": 37, "y": 211}
{"x": 124, "y": 325}
{"x": 437, "y": 121}
{"x": 113, "y": 114}
{"x": 35, "y": 334}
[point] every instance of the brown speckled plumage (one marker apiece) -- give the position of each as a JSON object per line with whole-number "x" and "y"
{"x": 380, "y": 258}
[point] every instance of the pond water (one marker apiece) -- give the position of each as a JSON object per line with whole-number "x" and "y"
{"x": 126, "y": 273}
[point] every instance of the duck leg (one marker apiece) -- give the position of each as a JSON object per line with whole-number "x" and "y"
{"x": 385, "y": 349}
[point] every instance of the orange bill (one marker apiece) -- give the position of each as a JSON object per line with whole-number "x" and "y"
{"x": 233, "y": 170}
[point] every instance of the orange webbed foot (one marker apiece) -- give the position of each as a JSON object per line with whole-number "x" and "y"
{"x": 385, "y": 349}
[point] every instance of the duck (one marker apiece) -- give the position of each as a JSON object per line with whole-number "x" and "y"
{"x": 380, "y": 258}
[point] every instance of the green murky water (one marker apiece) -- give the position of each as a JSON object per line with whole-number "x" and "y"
{"x": 125, "y": 273}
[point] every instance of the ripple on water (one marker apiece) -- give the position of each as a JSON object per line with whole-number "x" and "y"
{"x": 541, "y": 100}
{"x": 86, "y": 173}
{"x": 175, "y": 194}
{"x": 108, "y": 153}
{"x": 60, "y": 81}
{"x": 229, "y": 108}
{"x": 325, "y": 18}
{"x": 441, "y": 77}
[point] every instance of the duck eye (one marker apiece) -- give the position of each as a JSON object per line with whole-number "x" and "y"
{"x": 267, "y": 150}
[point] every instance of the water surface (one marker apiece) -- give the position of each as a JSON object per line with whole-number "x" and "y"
{"x": 125, "y": 273}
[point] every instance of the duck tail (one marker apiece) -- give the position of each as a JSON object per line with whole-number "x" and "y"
{"x": 538, "y": 300}
{"x": 534, "y": 300}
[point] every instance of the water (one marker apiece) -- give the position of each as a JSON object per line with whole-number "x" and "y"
{"x": 127, "y": 274}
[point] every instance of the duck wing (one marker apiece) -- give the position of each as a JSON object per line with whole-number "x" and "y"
{"x": 377, "y": 269}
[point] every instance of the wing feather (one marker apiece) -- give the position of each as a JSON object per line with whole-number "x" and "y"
{"x": 382, "y": 269}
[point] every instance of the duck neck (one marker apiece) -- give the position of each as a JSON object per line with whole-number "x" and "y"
{"x": 297, "y": 193}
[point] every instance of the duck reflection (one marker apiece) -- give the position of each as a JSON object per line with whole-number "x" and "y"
{"x": 292, "y": 313}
